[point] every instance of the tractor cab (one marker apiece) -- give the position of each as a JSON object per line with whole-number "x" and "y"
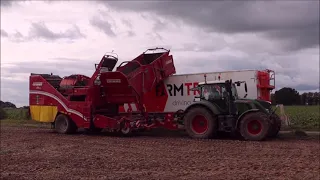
{"x": 213, "y": 92}
{"x": 222, "y": 94}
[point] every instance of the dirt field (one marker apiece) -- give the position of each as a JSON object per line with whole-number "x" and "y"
{"x": 35, "y": 153}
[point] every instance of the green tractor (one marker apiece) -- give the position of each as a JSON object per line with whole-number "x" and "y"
{"x": 219, "y": 108}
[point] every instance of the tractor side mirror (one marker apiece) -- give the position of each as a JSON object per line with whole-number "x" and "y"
{"x": 246, "y": 89}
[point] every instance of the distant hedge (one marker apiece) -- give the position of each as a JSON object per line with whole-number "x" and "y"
{"x": 16, "y": 114}
{"x": 3, "y": 114}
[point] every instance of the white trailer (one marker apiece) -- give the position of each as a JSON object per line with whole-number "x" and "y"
{"x": 180, "y": 96}
{"x": 175, "y": 94}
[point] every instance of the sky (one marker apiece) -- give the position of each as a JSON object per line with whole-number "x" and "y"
{"x": 69, "y": 37}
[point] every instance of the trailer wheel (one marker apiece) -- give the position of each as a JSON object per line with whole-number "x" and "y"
{"x": 254, "y": 126}
{"x": 274, "y": 131}
{"x": 64, "y": 125}
{"x": 200, "y": 123}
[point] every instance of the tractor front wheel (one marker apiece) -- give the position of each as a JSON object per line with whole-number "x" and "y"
{"x": 254, "y": 126}
{"x": 64, "y": 125}
{"x": 200, "y": 123}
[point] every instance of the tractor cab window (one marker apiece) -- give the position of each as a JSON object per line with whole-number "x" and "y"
{"x": 213, "y": 91}
{"x": 234, "y": 91}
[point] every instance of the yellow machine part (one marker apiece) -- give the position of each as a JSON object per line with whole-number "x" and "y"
{"x": 43, "y": 113}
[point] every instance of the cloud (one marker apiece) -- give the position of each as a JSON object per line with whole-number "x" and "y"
{"x": 6, "y": 3}
{"x": 61, "y": 66}
{"x": 12, "y": 3}
{"x": 4, "y": 33}
{"x": 127, "y": 23}
{"x": 296, "y": 27}
{"x": 131, "y": 33}
{"x": 40, "y": 31}
{"x": 103, "y": 25}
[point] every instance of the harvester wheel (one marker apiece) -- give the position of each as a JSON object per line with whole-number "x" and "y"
{"x": 64, "y": 125}
{"x": 254, "y": 126}
{"x": 274, "y": 131}
{"x": 125, "y": 129}
{"x": 200, "y": 123}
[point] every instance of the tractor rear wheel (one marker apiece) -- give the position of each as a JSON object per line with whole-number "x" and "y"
{"x": 254, "y": 126}
{"x": 64, "y": 125}
{"x": 200, "y": 123}
{"x": 274, "y": 131}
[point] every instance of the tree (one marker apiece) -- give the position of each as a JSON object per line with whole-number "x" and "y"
{"x": 7, "y": 105}
{"x": 287, "y": 96}
{"x": 316, "y": 98}
{"x": 310, "y": 98}
{"x": 304, "y": 98}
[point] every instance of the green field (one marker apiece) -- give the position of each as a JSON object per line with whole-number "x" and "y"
{"x": 16, "y": 114}
{"x": 301, "y": 117}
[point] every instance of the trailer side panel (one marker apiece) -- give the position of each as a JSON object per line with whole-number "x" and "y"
{"x": 178, "y": 87}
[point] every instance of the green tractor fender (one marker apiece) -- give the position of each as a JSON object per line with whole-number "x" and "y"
{"x": 203, "y": 104}
{"x": 248, "y": 112}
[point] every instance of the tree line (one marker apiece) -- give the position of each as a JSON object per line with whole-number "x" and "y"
{"x": 290, "y": 96}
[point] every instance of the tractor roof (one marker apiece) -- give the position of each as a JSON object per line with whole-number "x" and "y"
{"x": 213, "y": 82}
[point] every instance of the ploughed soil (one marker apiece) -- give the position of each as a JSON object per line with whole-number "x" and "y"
{"x": 40, "y": 153}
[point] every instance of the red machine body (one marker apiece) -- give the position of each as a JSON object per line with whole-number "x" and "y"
{"x": 95, "y": 101}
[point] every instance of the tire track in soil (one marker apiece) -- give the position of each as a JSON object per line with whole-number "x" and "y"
{"x": 34, "y": 153}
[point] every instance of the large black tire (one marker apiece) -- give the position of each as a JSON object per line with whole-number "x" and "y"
{"x": 254, "y": 126}
{"x": 64, "y": 125}
{"x": 200, "y": 123}
{"x": 276, "y": 126}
